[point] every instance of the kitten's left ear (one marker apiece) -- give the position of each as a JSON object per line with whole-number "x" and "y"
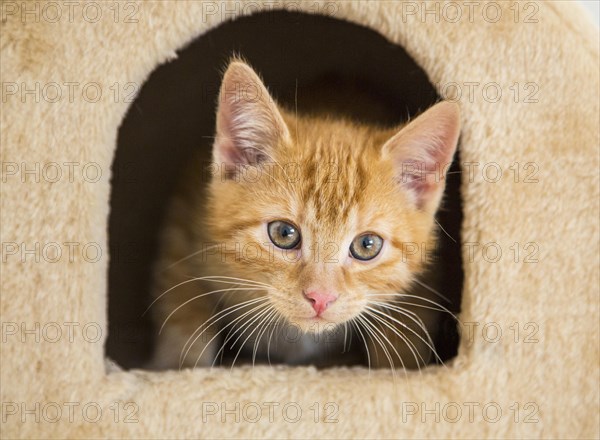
{"x": 249, "y": 124}
{"x": 422, "y": 152}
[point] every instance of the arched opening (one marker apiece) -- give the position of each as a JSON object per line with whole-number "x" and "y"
{"x": 174, "y": 114}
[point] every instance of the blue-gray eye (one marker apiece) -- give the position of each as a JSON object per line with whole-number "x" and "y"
{"x": 284, "y": 235}
{"x": 366, "y": 246}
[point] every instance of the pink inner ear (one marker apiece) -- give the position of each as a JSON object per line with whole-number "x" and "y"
{"x": 423, "y": 151}
{"x": 418, "y": 175}
{"x": 233, "y": 146}
{"x": 423, "y": 178}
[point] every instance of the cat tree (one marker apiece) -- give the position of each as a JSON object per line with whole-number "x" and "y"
{"x": 538, "y": 378}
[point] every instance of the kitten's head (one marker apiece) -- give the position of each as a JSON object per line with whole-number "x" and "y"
{"x": 325, "y": 212}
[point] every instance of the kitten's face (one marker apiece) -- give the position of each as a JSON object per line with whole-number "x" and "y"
{"x": 325, "y": 214}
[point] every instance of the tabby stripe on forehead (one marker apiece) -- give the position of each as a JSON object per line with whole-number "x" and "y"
{"x": 309, "y": 179}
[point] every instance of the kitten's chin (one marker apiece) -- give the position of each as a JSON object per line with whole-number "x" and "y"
{"x": 315, "y": 325}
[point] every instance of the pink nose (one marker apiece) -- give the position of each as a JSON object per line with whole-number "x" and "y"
{"x": 320, "y": 300}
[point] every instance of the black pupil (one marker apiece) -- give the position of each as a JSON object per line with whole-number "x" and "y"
{"x": 368, "y": 242}
{"x": 286, "y": 231}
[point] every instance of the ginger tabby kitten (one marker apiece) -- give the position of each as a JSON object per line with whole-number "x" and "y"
{"x": 299, "y": 240}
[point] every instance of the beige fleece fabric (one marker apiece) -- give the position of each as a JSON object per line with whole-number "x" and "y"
{"x": 538, "y": 378}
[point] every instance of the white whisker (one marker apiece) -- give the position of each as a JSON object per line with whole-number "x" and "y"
{"x": 431, "y": 289}
{"x": 355, "y": 324}
{"x": 381, "y": 343}
{"x": 193, "y": 254}
{"x": 259, "y": 315}
{"x": 445, "y": 232}
{"x": 271, "y": 318}
{"x": 209, "y": 278}
{"x": 208, "y": 324}
{"x": 233, "y": 322}
{"x": 404, "y": 339}
{"x": 275, "y": 327}
{"x": 194, "y": 298}
{"x": 420, "y": 323}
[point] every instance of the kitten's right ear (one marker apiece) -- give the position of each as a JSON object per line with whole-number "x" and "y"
{"x": 249, "y": 124}
{"x": 422, "y": 152}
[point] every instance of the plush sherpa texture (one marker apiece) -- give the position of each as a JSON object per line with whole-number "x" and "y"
{"x": 557, "y": 376}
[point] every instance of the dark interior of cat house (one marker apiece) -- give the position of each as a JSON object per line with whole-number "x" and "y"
{"x": 352, "y": 71}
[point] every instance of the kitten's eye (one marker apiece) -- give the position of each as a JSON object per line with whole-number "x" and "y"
{"x": 283, "y": 234}
{"x": 366, "y": 246}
